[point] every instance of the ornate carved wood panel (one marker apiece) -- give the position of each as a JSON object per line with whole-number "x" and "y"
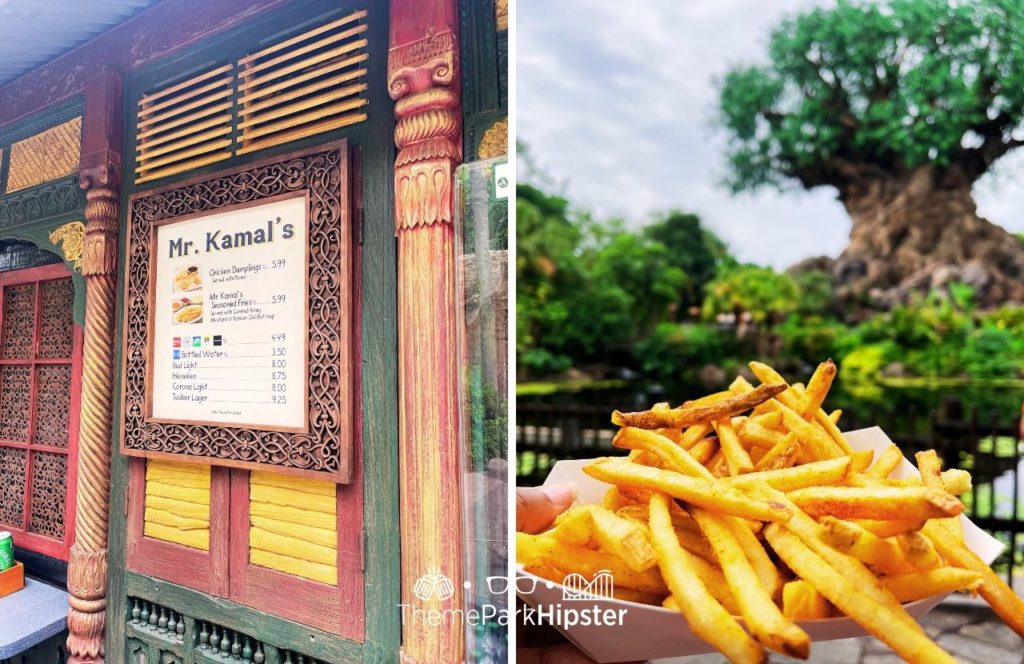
{"x": 49, "y": 489}
{"x": 326, "y": 450}
{"x": 40, "y": 352}
{"x": 12, "y": 485}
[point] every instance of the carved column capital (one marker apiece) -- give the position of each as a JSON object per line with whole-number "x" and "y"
{"x": 423, "y": 79}
{"x": 99, "y": 252}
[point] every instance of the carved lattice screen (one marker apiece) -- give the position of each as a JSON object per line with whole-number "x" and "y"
{"x": 40, "y": 352}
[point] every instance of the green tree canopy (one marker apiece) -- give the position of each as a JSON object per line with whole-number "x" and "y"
{"x": 693, "y": 248}
{"x": 866, "y": 90}
{"x": 759, "y": 291}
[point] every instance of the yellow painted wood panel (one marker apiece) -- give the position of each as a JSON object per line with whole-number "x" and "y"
{"x": 178, "y": 503}
{"x": 293, "y": 526}
{"x": 292, "y": 515}
{"x": 179, "y": 507}
{"x": 273, "y": 495}
{"x": 264, "y": 540}
{"x": 315, "y": 535}
{"x": 323, "y": 573}
{"x": 319, "y": 487}
{"x": 192, "y": 538}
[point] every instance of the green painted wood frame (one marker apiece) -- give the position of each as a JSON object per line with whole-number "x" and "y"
{"x": 373, "y": 141}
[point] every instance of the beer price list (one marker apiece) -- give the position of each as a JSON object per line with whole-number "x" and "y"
{"x": 229, "y": 334}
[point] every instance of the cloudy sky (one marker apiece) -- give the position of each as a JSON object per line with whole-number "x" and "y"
{"x": 616, "y": 102}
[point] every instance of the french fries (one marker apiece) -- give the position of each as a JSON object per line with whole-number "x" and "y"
{"x": 703, "y": 493}
{"x": 802, "y": 601}
{"x": 881, "y": 620}
{"x": 677, "y": 418}
{"x": 707, "y": 618}
{"x": 849, "y": 502}
{"x": 763, "y": 617}
{"x": 714, "y": 493}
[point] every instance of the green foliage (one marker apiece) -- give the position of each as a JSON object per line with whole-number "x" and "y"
{"x": 860, "y": 88}
{"x": 758, "y": 291}
{"x": 674, "y": 351}
{"x": 693, "y": 248}
{"x": 601, "y": 298}
{"x": 585, "y": 292}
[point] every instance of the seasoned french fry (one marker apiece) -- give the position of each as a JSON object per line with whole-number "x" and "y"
{"x": 877, "y": 502}
{"x": 882, "y": 554}
{"x": 781, "y": 456}
{"x": 919, "y": 550}
{"x": 815, "y": 444}
{"x": 707, "y": 399}
{"x": 767, "y": 572}
{"x": 677, "y": 418}
{"x": 802, "y": 601}
{"x": 930, "y": 467}
{"x": 885, "y": 463}
{"x": 762, "y": 616}
{"x": 808, "y": 530}
{"x": 616, "y": 500}
{"x": 771, "y": 420}
{"x": 694, "y": 434}
{"x": 956, "y": 481}
{"x": 673, "y": 456}
{"x": 740, "y": 385}
{"x": 696, "y": 544}
{"x": 893, "y": 626}
{"x": 735, "y": 456}
{"x": 831, "y": 471}
{"x": 622, "y": 537}
{"x": 918, "y": 585}
{"x": 573, "y": 526}
{"x": 817, "y": 388}
{"x": 756, "y": 434}
{"x": 822, "y": 420}
{"x": 705, "y": 615}
{"x": 705, "y": 449}
{"x": 1006, "y": 603}
{"x": 588, "y": 562}
{"x": 630, "y": 595}
{"x": 703, "y": 493}
{"x": 718, "y": 465}
{"x": 889, "y": 528}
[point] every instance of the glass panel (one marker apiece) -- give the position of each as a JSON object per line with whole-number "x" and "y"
{"x": 14, "y": 402}
{"x": 19, "y": 320}
{"x": 49, "y": 486}
{"x": 56, "y": 303}
{"x": 482, "y": 218}
{"x": 53, "y": 404}
{"x": 12, "y": 486}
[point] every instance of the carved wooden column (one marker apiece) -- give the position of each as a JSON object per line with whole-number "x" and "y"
{"x": 100, "y": 174}
{"x": 423, "y": 79}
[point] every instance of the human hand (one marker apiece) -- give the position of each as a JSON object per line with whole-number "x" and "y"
{"x": 537, "y": 507}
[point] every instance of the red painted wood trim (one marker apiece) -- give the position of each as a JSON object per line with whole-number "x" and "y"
{"x": 205, "y": 571}
{"x": 43, "y": 544}
{"x": 125, "y": 48}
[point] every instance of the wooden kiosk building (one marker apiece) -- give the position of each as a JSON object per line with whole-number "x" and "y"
{"x": 229, "y": 400}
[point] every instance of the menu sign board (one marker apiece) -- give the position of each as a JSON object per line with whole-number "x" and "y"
{"x": 229, "y": 317}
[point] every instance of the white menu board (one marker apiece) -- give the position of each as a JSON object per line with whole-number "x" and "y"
{"x": 229, "y": 305}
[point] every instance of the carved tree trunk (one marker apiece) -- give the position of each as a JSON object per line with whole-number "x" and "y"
{"x": 921, "y": 232}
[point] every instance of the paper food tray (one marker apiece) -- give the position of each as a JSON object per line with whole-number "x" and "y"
{"x": 652, "y": 632}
